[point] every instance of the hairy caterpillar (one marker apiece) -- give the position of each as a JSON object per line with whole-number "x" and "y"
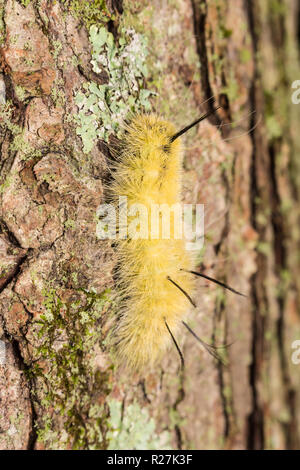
{"x": 155, "y": 276}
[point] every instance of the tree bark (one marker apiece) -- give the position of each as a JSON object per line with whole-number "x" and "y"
{"x": 59, "y": 387}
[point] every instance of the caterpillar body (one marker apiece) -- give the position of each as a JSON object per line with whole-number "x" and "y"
{"x": 152, "y": 273}
{"x": 155, "y": 279}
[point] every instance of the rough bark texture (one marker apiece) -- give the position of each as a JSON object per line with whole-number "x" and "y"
{"x": 59, "y": 388}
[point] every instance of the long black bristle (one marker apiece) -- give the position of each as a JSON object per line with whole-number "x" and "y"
{"x": 176, "y": 345}
{"x": 182, "y": 290}
{"x": 209, "y": 347}
{"x": 187, "y": 128}
{"x": 222, "y": 284}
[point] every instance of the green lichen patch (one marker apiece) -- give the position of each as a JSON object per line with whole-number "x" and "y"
{"x": 72, "y": 381}
{"x": 18, "y": 143}
{"x": 6, "y": 120}
{"x": 103, "y": 108}
{"x": 89, "y": 11}
{"x": 2, "y": 24}
{"x": 24, "y": 3}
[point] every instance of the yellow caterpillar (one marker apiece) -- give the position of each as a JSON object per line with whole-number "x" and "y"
{"x": 154, "y": 275}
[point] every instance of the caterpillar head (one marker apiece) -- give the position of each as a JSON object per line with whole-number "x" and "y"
{"x": 150, "y": 132}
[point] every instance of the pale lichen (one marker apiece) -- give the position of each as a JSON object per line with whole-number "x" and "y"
{"x": 103, "y": 108}
{"x": 134, "y": 429}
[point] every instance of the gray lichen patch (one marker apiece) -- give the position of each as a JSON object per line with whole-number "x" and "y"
{"x": 133, "y": 429}
{"x": 103, "y": 108}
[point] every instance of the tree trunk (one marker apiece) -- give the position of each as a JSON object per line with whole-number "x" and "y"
{"x": 59, "y": 387}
